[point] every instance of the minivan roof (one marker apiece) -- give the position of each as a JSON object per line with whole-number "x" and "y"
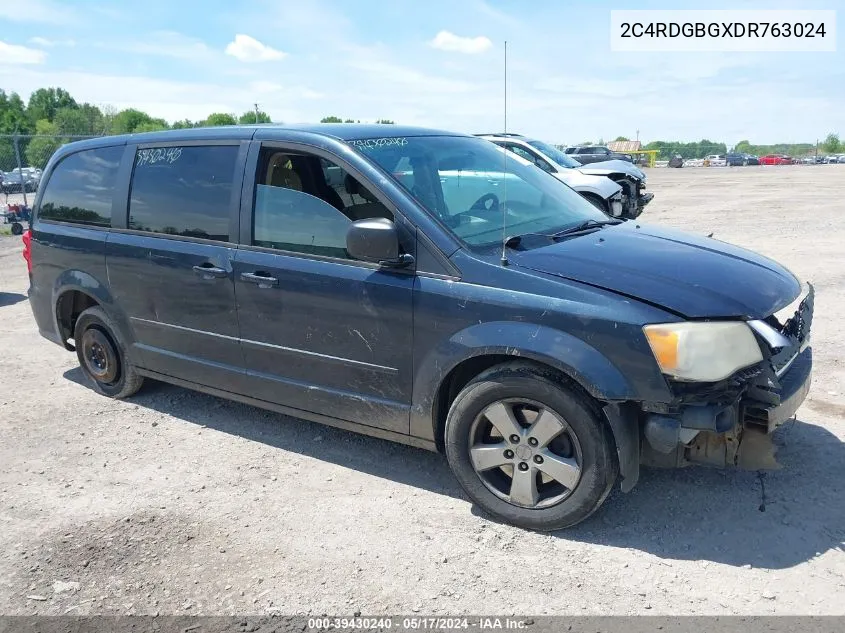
{"x": 342, "y": 131}
{"x": 339, "y": 131}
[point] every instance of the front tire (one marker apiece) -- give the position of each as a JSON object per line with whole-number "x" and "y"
{"x": 102, "y": 355}
{"x": 530, "y": 449}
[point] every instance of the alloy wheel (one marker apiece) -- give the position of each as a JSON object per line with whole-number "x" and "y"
{"x": 525, "y": 453}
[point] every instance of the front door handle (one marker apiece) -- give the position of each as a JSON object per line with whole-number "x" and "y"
{"x": 210, "y": 271}
{"x": 262, "y": 280}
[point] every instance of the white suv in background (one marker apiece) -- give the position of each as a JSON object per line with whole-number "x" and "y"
{"x": 585, "y": 179}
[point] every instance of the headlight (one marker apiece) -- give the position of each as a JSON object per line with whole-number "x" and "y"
{"x": 703, "y": 352}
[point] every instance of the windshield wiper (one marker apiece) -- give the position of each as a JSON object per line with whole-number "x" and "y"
{"x": 514, "y": 240}
{"x": 586, "y": 225}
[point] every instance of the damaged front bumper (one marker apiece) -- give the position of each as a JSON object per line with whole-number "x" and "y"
{"x": 730, "y": 423}
{"x": 645, "y": 198}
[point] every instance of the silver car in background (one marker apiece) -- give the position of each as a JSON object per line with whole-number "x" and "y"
{"x": 630, "y": 178}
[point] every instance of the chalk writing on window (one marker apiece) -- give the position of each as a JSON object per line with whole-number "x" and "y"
{"x": 156, "y": 155}
{"x": 374, "y": 143}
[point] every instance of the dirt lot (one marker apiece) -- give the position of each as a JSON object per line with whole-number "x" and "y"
{"x": 177, "y": 502}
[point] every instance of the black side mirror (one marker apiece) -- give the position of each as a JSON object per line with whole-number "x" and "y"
{"x": 376, "y": 240}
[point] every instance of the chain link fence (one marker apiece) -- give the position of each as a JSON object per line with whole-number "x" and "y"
{"x": 22, "y": 161}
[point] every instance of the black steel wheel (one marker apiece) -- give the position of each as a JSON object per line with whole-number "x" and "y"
{"x": 102, "y": 355}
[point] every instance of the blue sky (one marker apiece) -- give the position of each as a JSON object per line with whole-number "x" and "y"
{"x": 422, "y": 62}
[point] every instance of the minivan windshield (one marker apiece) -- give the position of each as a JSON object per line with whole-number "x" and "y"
{"x": 555, "y": 154}
{"x": 478, "y": 190}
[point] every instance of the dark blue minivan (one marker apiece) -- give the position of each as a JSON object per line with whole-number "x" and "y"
{"x": 424, "y": 287}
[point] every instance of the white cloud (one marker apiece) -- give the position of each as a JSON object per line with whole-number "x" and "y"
{"x": 249, "y": 49}
{"x": 166, "y": 44}
{"x": 447, "y": 41}
{"x": 38, "y": 11}
{"x": 264, "y": 87}
{"x": 43, "y": 41}
{"x": 14, "y": 54}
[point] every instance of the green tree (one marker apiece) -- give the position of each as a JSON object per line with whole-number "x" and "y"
{"x": 621, "y": 138}
{"x": 40, "y": 149}
{"x": 127, "y": 121}
{"x": 832, "y": 144}
{"x": 250, "y": 117}
{"x": 45, "y": 102}
{"x": 183, "y": 124}
{"x": 71, "y": 121}
{"x": 153, "y": 125}
{"x": 13, "y": 116}
{"x": 94, "y": 116}
{"x": 743, "y": 147}
{"x": 13, "y": 119}
{"x": 331, "y": 119}
{"x": 220, "y": 118}
{"x": 386, "y": 121}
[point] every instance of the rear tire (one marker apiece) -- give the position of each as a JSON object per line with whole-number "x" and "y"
{"x": 102, "y": 355}
{"x": 17, "y": 228}
{"x": 547, "y": 482}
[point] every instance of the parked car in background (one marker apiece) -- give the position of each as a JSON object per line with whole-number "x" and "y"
{"x": 545, "y": 348}
{"x": 677, "y": 161}
{"x": 595, "y": 154}
{"x": 739, "y": 159}
{"x": 25, "y": 179}
{"x": 776, "y": 159}
{"x": 715, "y": 160}
{"x": 629, "y": 177}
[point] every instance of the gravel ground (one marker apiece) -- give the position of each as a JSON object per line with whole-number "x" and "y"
{"x": 178, "y": 502}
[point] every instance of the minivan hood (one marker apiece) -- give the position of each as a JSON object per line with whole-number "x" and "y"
{"x": 695, "y": 277}
{"x": 610, "y": 166}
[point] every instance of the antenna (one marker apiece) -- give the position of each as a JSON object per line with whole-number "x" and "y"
{"x": 504, "y": 201}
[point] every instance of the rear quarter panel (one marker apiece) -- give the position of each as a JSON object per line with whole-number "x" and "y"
{"x": 65, "y": 258}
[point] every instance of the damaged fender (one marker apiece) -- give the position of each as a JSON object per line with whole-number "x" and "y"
{"x": 566, "y": 353}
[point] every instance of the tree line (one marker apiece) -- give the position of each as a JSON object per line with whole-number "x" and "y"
{"x": 51, "y": 117}
{"x": 704, "y": 147}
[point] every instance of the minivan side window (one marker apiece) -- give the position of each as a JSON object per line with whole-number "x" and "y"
{"x": 184, "y": 191}
{"x": 80, "y": 187}
{"x": 305, "y": 204}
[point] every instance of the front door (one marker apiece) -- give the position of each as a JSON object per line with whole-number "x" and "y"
{"x": 320, "y": 332}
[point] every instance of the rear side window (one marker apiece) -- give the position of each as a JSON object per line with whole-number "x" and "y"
{"x": 80, "y": 187}
{"x": 183, "y": 191}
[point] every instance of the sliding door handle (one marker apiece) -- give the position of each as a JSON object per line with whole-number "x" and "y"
{"x": 210, "y": 271}
{"x": 262, "y": 280}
